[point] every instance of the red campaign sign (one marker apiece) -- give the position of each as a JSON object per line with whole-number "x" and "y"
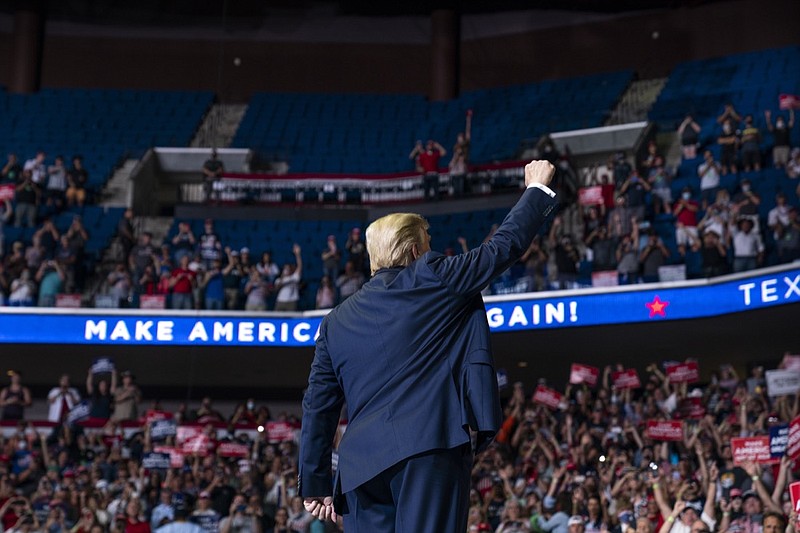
{"x": 233, "y": 449}
{"x": 152, "y": 415}
{"x": 793, "y": 444}
{"x": 683, "y": 372}
{"x": 794, "y": 492}
{"x": 579, "y": 373}
{"x": 199, "y": 445}
{"x": 7, "y": 192}
{"x": 547, "y": 396}
{"x": 605, "y": 278}
{"x": 626, "y": 379}
{"x": 68, "y": 300}
{"x": 665, "y": 430}
{"x": 789, "y": 101}
{"x": 185, "y": 433}
{"x": 175, "y": 457}
{"x": 152, "y": 301}
{"x": 745, "y": 449}
{"x": 590, "y": 195}
{"x": 279, "y": 432}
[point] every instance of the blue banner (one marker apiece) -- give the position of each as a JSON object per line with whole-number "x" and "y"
{"x": 590, "y": 307}
{"x": 648, "y": 303}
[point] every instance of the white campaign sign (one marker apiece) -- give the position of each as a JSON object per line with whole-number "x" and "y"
{"x": 781, "y": 382}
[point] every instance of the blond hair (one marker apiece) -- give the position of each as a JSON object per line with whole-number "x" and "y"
{"x": 391, "y": 238}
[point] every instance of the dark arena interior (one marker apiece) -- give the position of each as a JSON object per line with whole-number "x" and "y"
{"x": 184, "y": 196}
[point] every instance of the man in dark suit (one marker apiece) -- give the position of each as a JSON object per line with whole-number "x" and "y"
{"x": 409, "y": 354}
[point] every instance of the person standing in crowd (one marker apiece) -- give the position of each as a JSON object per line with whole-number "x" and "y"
{"x": 232, "y": 276}
{"x": 349, "y": 282}
{"x": 432, "y": 337}
{"x": 62, "y": 399}
{"x": 728, "y": 142}
{"x": 37, "y": 168}
{"x": 212, "y": 172}
{"x": 326, "y": 295}
{"x": 781, "y": 137}
{"x": 213, "y": 288}
{"x": 751, "y": 151}
{"x": 55, "y": 191}
{"x": 26, "y": 196}
{"x": 184, "y": 242}
{"x": 255, "y": 291}
{"x": 288, "y": 284}
{"x": 709, "y": 172}
{"x": 182, "y": 282}
{"x": 142, "y": 255}
{"x": 15, "y": 397}
{"x": 77, "y": 177}
{"x": 204, "y": 515}
{"x": 101, "y": 394}
{"x": 689, "y": 132}
{"x": 356, "y": 250}
{"x": 12, "y": 170}
{"x": 748, "y": 249}
{"x": 331, "y": 256}
{"x": 459, "y": 164}
{"x": 267, "y": 268}
{"x": 427, "y": 159}
{"x": 126, "y": 398}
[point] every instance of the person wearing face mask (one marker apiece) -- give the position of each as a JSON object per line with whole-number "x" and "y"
{"x": 781, "y": 134}
{"x": 728, "y": 142}
{"x": 751, "y": 153}
{"x": 685, "y": 212}
{"x": 245, "y": 413}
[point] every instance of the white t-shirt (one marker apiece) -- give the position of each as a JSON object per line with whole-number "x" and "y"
{"x": 710, "y": 179}
{"x": 38, "y": 170}
{"x": 289, "y": 291}
{"x": 72, "y": 396}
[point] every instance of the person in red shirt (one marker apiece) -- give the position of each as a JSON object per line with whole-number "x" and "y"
{"x": 134, "y": 521}
{"x": 685, "y": 212}
{"x": 427, "y": 159}
{"x": 182, "y": 282}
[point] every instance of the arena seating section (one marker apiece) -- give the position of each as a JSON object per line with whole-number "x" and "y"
{"x": 360, "y": 133}
{"x": 100, "y": 223}
{"x": 353, "y": 133}
{"x": 102, "y": 125}
{"x": 752, "y": 83}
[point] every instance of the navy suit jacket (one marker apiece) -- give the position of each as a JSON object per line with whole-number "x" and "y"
{"x": 410, "y": 354}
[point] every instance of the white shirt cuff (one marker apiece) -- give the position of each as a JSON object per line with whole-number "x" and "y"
{"x": 544, "y": 188}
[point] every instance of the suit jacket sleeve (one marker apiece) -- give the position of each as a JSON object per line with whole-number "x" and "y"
{"x": 322, "y": 405}
{"x": 468, "y": 274}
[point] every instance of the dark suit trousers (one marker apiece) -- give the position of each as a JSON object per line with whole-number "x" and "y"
{"x": 426, "y": 493}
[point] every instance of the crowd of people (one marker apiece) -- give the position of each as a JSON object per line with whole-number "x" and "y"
{"x": 619, "y": 237}
{"x": 52, "y": 264}
{"x": 711, "y": 230}
{"x": 31, "y": 194}
{"x": 201, "y": 272}
{"x": 587, "y": 464}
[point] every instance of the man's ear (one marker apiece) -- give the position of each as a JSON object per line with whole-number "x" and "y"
{"x": 414, "y": 252}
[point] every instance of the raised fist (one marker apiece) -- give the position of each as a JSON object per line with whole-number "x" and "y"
{"x": 539, "y": 172}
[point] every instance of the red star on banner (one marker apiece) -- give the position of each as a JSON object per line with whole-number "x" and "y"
{"x": 657, "y": 307}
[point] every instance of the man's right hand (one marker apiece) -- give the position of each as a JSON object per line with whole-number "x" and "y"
{"x": 539, "y": 172}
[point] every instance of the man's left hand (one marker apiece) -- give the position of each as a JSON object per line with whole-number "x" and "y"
{"x": 321, "y": 508}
